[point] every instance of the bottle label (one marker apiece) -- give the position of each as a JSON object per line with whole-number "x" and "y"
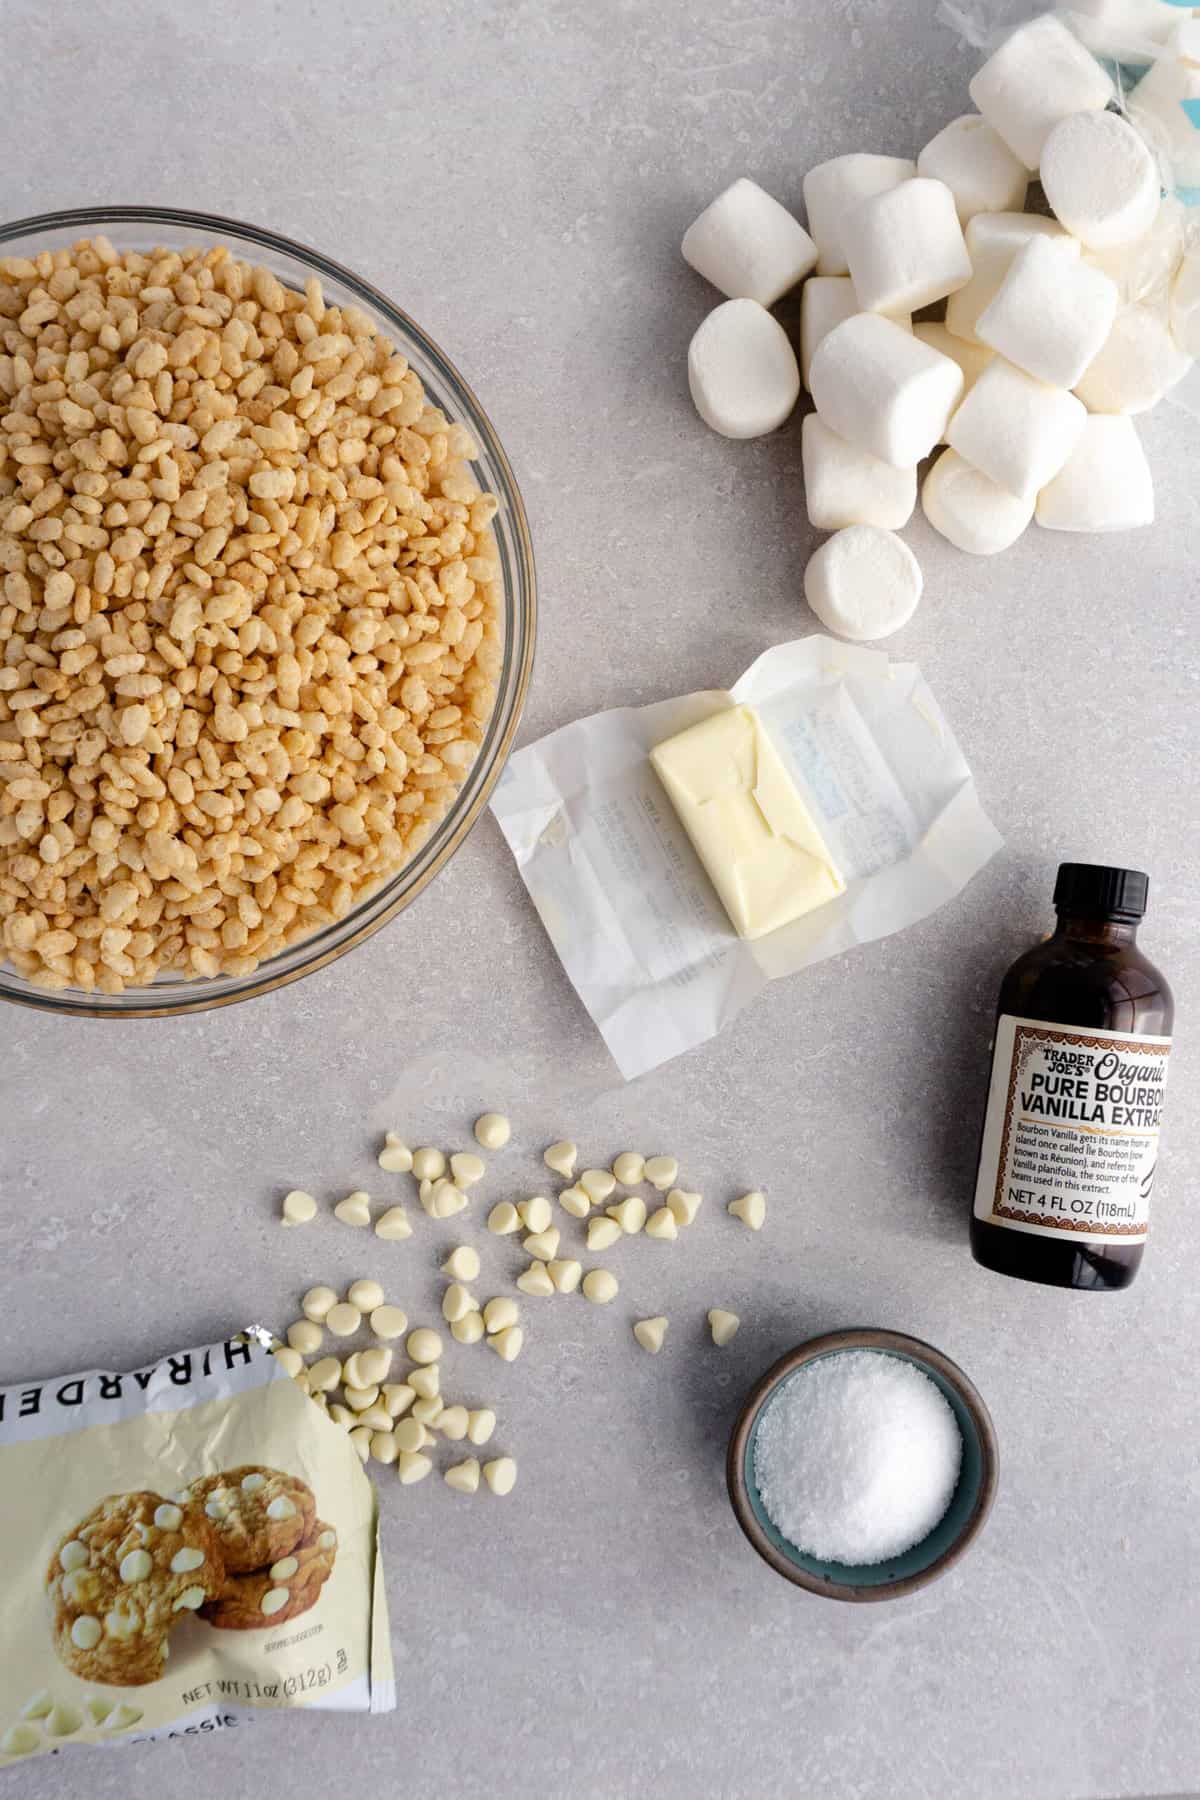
{"x": 1070, "y": 1140}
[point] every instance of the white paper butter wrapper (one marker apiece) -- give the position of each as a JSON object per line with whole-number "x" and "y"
{"x": 626, "y": 901}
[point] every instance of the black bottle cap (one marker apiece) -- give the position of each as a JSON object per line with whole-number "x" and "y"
{"x": 1094, "y": 889}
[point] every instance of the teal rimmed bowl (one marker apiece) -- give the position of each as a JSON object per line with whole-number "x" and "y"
{"x": 950, "y": 1537}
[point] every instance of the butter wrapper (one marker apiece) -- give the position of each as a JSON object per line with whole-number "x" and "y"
{"x": 624, "y": 896}
{"x": 185, "y": 1545}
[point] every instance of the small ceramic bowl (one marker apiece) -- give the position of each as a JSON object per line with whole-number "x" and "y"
{"x": 948, "y": 1540}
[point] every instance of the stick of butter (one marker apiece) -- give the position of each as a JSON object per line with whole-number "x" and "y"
{"x": 747, "y": 821}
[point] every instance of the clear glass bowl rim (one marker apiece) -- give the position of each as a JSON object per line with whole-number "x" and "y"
{"x": 180, "y": 995}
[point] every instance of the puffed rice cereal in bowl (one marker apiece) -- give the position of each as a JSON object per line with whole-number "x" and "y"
{"x": 252, "y": 614}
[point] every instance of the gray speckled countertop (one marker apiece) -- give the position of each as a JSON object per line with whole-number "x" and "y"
{"x": 518, "y": 177}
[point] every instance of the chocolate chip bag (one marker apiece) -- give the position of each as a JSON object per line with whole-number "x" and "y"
{"x": 184, "y": 1544}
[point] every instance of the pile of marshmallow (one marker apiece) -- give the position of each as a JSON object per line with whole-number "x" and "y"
{"x": 1055, "y": 331}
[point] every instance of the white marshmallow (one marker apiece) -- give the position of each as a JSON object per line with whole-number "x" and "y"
{"x": 972, "y": 359}
{"x": 1185, "y": 305}
{"x": 844, "y": 485}
{"x": 1039, "y": 75}
{"x": 1123, "y": 28}
{"x": 1016, "y": 430}
{"x": 833, "y": 189}
{"x": 993, "y": 240}
{"x": 1145, "y": 270}
{"x": 1139, "y": 363}
{"x": 1106, "y": 483}
{"x": 1158, "y": 108}
{"x": 863, "y": 583}
{"x": 824, "y": 302}
{"x": 970, "y": 510}
{"x": 905, "y": 247}
{"x": 882, "y": 388}
{"x": 1100, "y": 179}
{"x": 742, "y": 370}
{"x": 1051, "y": 315}
{"x": 748, "y": 245}
{"x": 977, "y": 166}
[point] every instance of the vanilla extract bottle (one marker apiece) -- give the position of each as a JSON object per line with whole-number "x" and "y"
{"x": 1069, "y": 1148}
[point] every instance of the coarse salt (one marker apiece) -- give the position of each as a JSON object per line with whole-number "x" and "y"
{"x": 856, "y": 1457}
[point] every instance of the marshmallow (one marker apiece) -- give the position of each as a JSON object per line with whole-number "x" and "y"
{"x": 1016, "y": 430}
{"x": 742, "y": 370}
{"x": 1051, "y": 315}
{"x": 863, "y": 583}
{"x": 824, "y": 302}
{"x": 844, "y": 485}
{"x": 905, "y": 247}
{"x": 1039, "y": 75}
{"x": 833, "y": 189}
{"x": 970, "y": 510}
{"x": 977, "y": 166}
{"x": 1105, "y": 484}
{"x": 972, "y": 359}
{"x": 748, "y": 245}
{"x": 1123, "y": 29}
{"x": 1144, "y": 270}
{"x": 1185, "y": 305}
{"x": 882, "y": 388}
{"x": 993, "y": 240}
{"x": 1100, "y": 179}
{"x": 1140, "y": 362}
{"x": 1163, "y": 107}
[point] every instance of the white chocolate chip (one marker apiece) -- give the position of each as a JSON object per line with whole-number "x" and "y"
{"x": 650, "y": 1334}
{"x": 393, "y": 1225}
{"x": 187, "y": 1559}
{"x": 428, "y": 1164}
{"x": 274, "y": 1600}
{"x": 365, "y": 1294}
{"x": 284, "y": 1569}
{"x": 135, "y": 1565}
{"x": 398, "y": 1396}
{"x": 501, "y": 1475}
{"x": 289, "y": 1360}
{"x": 343, "y": 1319}
{"x": 38, "y": 1705}
{"x": 389, "y": 1322}
{"x": 424, "y": 1345}
{"x": 395, "y": 1157}
{"x": 301, "y": 1381}
{"x": 662, "y": 1224}
{"x": 377, "y": 1417}
{"x": 602, "y": 1233}
{"x": 98, "y": 1708}
{"x": 503, "y": 1218}
{"x": 123, "y": 1621}
{"x": 630, "y": 1214}
{"x": 374, "y": 1364}
{"x": 428, "y": 1412}
{"x": 457, "y": 1302}
{"x": 250, "y": 1483}
{"x": 468, "y": 1330}
{"x": 360, "y": 1437}
{"x": 480, "y": 1425}
{"x": 123, "y": 1718}
{"x": 359, "y": 1398}
{"x": 317, "y": 1302}
{"x": 282, "y": 1507}
{"x": 543, "y": 1244}
{"x": 600, "y": 1286}
{"x": 21, "y": 1740}
{"x": 723, "y": 1326}
{"x": 492, "y": 1130}
{"x": 453, "y": 1421}
{"x": 320, "y": 1401}
{"x": 536, "y": 1280}
{"x": 684, "y": 1205}
{"x": 463, "y": 1477}
{"x": 424, "y": 1189}
{"x": 576, "y": 1202}
{"x": 629, "y": 1168}
{"x": 426, "y": 1382}
{"x": 462, "y": 1264}
{"x": 63, "y": 1720}
{"x": 566, "y": 1274}
{"x": 86, "y": 1632}
{"x": 352, "y": 1373}
{"x": 445, "y": 1200}
{"x": 410, "y": 1435}
{"x": 751, "y": 1209}
{"x": 500, "y": 1313}
{"x": 662, "y": 1172}
{"x": 168, "y": 1516}
{"x": 384, "y": 1447}
{"x": 298, "y": 1208}
{"x": 191, "y": 1600}
{"x": 561, "y": 1157}
{"x": 325, "y": 1374}
{"x": 355, "y": 1209}
{"x": 74, "y": 1555}
{"x": 218, "y": 1503}
{"x": 535, "y": 1213}
{"x": 305, "y": 1336}
{"x": 507, "y": 1344}
{"x": 466, "y": 1168}
{"x": 597, "y": 1184}
{"x": 412, "y": 1467}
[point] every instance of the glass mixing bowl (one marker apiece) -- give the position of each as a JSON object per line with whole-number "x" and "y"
{"x": 145, "y": 228}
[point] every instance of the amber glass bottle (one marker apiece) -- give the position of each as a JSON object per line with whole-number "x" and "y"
{"x": 1079, "y": 1066}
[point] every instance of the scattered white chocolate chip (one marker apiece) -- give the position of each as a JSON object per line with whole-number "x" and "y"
{"x": 561, "y": 1157}
{"x": 630, "y": 1214}
{"x": 576, "y": 1202}
{"x": 602, "y": 1233}
{"x": 751, "y": 1209}
{"x": 566, "y": 1274}
{"x": 424, "y": 1345}
{"x": 374, "y": 1364}
{"x": 360, "y": 1437}
{"x": 298, "y": 1208}
{"x": 457, "y": 1303}
{"x": 650, "y": 1334}
{"x": 168, "y": 1517}
{"x": 462, "y": 1263}
{"x": 305, "y": 1336}
{"x": 397, "y": 1396}
{"x": 500, "y": 1313}
{"x": 428, "y": 1412}
{"x": 536, "y": 1280}
{"x": 377, "y": 1417}
{"x": 453, "y": 1422}
{"x": 123, "y": 1718}
{"x": 426, "y": 1382}
{"x": 135, "y": 1565}
{"x": 662, "y": 1172}
{"x": 191, "y": 1600}
{"x": 359, "y": 1398}
{"x": 501, "y": 1475}
{"x": 424, "y": 1190}
{"x": 445, "y": 1200}
{"x": 393, "y": 1225}
{"x": 384, "y": 1447}
{"x": 492, "y": 1130}
{"x": 289, "y": 1360}
{"x": 410, "y": 1435}
{"x": 325, "y": 1374}
{"x": 317, "y": 1302}
{"x": 463, "y": 1477}
{"x": 395, "y": 1157}
{"x": 507, "y": 1344}
{"x": 543, "y": 1244}
{"x": 38, "y": 1705}
{"x": 597, "y": 1184}
{"x": 364, "y": 1294}
{"x": 320, "y": 1401}
{"x": 389, "y": 1321}
{"x": 723, "y": 1326}
{"x": 428, "y": 1164}
{"x": 343, "y": 1319}
{"x": 301, "y": 1381}
{"x": 684, "y": 1205}
{"x": 600, "y": 1286}
{"x": 535, "y": 1213}
{"x": 466, "y": 1168}
{"x": 480, "y": 1425}
{"x": 412, "y": 1467}
{"x": 21, "y": 1740}
{"x": 62, "y": 1720}
{"x": 662, "y": 1224}
{"x": 503, "y": 1218}
{"x": 86, "y": 1632}
{"x": 281, "y": 1507}
{"x": 341, "y": 1415}
{"x": 98, "y": 1708}
{"x": 629, "y": 1168}
{"x": 355, "y": 1209}
{"x": 468, "y": 1330}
